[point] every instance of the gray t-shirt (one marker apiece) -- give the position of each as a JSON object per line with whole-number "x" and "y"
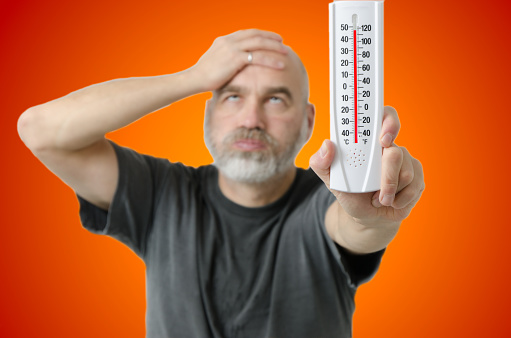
{"x": 218, "y": 269}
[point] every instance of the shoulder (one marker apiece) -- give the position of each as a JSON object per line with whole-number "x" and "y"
{"x": 130, "y": 157}
{"x": 137, "y": 168}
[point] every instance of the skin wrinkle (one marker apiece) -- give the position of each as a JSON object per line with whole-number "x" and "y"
{"x": 297, "y": 63}
{"x": 271, "y": 90}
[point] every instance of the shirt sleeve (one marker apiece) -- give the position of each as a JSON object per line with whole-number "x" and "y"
{"x": 129, "y": 217}
{"x": 358, "y": 268}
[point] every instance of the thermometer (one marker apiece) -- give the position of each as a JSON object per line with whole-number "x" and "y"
{"x": 356, "y": 94}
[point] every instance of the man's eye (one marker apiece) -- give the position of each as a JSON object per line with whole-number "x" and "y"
{"x": 275, "y": 99}
{"x": 232, "y": 98}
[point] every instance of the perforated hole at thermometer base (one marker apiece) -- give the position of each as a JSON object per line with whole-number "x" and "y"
{"x": 356, "y": 158}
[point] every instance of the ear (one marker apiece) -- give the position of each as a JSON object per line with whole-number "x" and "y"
{"x": 310, "y": 110}
{"x": 208, "y": 105}
{"x": 207, "y": 111}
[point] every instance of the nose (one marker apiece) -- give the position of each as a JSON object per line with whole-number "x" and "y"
{"x": 251, "y": 115}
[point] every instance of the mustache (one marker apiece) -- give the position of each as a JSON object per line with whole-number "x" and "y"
{"x": 243, "y": 133}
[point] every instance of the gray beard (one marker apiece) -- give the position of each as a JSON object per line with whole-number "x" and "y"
{"x": 255, "y": 167}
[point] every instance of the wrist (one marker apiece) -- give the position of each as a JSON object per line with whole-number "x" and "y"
{"x": 375, "y": 222}
{"x": 195, "y": 79}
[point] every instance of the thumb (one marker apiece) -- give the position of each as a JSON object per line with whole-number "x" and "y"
{"x": 320, "y": 162}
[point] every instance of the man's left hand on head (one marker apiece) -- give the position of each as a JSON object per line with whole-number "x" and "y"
{"x": 402, "y": 180}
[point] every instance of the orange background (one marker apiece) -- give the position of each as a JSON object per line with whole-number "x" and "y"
{"x": 447, "y": 73}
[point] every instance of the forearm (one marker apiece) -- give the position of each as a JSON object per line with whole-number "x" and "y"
{"x": 83, "y": 117}
{"x": 363, "y": 238}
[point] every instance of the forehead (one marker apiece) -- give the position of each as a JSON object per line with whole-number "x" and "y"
{"x": 259, "y": 78}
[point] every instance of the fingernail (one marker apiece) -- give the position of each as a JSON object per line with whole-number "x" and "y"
{"x": 376, "y": 203}
{"x": 386, "y": 140}
{"x": 387, "y": 200}
{"x": 323, "y": 150}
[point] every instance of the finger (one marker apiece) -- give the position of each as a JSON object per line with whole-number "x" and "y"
{"x": 390, "y": 126}
{"x": 375, "y": 199}
{"x": 411, "y": 194}
{"x": 320, "y": 162}
{"x": 392, "y": 160}
{"x": 267, "y": 59}
{"x": 406, "y": 175}
{"x": 248, "y": 33}
{"x": 262, "y": 43}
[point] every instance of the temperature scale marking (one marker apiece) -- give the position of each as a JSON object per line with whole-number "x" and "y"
{"x": 355, "y": 66}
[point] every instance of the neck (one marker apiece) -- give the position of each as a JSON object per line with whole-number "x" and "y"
{"x": 256, "y": 194}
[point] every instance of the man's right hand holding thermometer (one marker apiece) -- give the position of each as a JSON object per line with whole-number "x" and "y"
{"x": 367, "y": 222}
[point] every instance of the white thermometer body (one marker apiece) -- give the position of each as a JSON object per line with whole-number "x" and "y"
{"x": 356, "y": 94}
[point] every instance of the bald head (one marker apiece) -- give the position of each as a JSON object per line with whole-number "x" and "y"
{"x": 297, "y": 63}
{"x": 294, "y": 73}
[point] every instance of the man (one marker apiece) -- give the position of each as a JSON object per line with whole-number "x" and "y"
{"x": 249, "y": 247}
